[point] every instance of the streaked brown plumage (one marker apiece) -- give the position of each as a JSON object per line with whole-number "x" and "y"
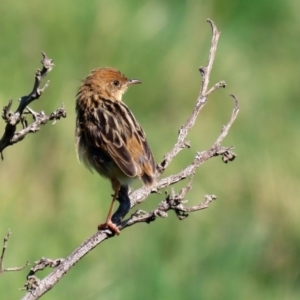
{"x": 108, "y": 137}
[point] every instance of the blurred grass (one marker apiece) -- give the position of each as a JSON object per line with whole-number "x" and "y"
{"x": 246, "y": 245}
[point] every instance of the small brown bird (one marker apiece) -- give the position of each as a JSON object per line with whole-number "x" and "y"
{"x": 108, "y": 137}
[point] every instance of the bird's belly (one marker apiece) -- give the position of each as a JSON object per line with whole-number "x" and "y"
{"x": 100, "y": 161}
{"x": 111, "y": 170}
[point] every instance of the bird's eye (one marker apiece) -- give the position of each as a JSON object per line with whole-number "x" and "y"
{"x": 116, "y": 82}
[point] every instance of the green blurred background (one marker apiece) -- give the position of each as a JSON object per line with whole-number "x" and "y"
{"x": 247, "y": 244}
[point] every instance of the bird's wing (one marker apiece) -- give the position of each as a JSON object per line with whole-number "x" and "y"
{"x": 114, "y": 129}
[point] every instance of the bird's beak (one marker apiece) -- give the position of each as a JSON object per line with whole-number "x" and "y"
{"x": 133, "y": 81}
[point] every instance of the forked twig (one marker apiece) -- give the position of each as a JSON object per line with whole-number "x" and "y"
{"x": 4, "y": 247}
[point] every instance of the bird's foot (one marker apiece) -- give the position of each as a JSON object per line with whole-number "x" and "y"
{"x": 109, "y": 225}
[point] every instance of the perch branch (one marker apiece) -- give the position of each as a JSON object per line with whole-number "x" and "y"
{"x": 173, "y": 201}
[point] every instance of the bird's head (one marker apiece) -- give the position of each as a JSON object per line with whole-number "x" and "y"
{"x": 111, "y": 82}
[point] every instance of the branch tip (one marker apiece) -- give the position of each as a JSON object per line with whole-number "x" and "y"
{"x": 213, "y": 26}
{"x": 47, "y": 62}
{"x": 236, "y": 101}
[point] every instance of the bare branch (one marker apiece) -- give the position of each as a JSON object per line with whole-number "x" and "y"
{"x": 226, "y": 128}
{"x": 10, "y": 135}
{"x": 200, "y": 103}
{"x": 215, "y": 150}
{"x": 40, "y": 119}
{"x": 205, "y": 71}
{"x": 37, "y": 92}
{"x": 172, "y": 201}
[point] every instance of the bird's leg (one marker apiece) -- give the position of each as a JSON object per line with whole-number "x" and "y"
{"x": 108, "y": 223}
{"x": 124, "y": 206}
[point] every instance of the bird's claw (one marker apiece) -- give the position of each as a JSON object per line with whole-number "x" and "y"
{"x": 109, "y": 225}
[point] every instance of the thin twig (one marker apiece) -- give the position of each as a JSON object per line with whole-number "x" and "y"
{"x": 12, "y": 269}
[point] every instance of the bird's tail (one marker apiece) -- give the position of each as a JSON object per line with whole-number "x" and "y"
{"x": 148, "y": 180}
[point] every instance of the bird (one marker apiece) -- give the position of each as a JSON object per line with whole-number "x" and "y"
{"x": 108, "y": 138}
